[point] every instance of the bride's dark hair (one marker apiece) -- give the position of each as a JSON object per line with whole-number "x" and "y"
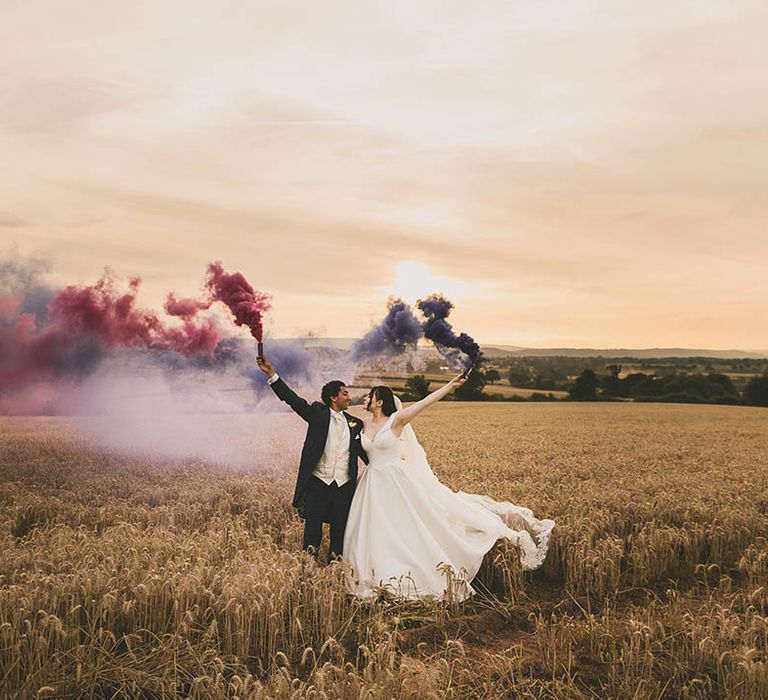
{"x": 384, "y": 393}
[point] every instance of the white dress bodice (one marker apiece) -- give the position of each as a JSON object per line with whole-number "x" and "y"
{"x": 383, "y": 449}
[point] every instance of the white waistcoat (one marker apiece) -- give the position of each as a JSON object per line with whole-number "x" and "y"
{"x": 334, "y": 463}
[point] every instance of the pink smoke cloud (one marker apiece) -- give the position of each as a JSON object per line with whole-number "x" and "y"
{"x": 184, "y": 308}
{"x": 42, "y": 356}
{"x": 113, "y": 318}
{"x": 246, "y": 304}
{"x": 38, "y": 358}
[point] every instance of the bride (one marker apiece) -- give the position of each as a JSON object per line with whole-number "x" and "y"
{"x": 410, "y": 535}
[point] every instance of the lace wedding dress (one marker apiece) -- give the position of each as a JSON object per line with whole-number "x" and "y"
{"x": 413, "y": 537}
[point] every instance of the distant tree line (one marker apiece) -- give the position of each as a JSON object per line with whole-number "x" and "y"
{"x": 418, "y": 386}
{"x": 528, "y": 368}
{"x": 678, "y": 388}
{"x": 679, "y": 380}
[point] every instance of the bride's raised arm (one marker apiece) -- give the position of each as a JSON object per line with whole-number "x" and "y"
{"x": 406, "y": 415}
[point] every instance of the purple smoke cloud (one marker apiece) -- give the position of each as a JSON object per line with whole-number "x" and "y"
{"x": 398, "y": 332}
{"x": 436, "y": 308}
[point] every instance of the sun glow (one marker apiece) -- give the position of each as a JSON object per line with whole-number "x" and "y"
{"x": 414, "y": 280}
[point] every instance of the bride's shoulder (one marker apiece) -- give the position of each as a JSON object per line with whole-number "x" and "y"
{"x": 396, "y": 427}
{"x": 394, "y": 418}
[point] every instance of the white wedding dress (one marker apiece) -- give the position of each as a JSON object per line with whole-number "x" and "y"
{"x": 412, "y": 537}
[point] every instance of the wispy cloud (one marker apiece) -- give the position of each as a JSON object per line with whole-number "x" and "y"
{"x": 591, "y": 172}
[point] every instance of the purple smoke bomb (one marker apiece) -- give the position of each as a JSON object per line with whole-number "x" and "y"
{"x": 436, "y": 308}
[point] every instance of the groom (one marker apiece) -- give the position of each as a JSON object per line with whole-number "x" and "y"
{"x": 328, "y": 468}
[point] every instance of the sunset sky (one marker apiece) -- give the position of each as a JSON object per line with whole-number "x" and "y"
{"x": 583, "y": 174}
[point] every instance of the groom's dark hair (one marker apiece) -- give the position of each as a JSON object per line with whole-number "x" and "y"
{"x": 330, "y": 390}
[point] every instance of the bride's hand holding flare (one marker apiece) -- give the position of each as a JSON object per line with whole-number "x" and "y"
{"x": 458, "y": 380}
{"x": 406, "y": 415}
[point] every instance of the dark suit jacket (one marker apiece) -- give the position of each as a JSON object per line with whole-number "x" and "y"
{"x": 318, "y": 417}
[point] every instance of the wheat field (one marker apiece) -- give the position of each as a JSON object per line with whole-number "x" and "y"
{"x": 127, "y": 576}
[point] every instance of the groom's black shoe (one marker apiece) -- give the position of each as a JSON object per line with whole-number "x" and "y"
{"x": 339, "y": 511}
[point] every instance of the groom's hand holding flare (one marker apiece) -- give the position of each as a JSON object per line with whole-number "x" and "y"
{"x": 265, "y": 366}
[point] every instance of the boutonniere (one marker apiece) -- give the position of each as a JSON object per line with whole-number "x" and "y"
{"x": 352, "y": 423}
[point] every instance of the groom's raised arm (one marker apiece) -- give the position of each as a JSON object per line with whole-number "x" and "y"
{"x": 284, "y": 392}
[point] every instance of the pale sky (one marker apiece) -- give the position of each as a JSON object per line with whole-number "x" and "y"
{"x": 585, "y": 174}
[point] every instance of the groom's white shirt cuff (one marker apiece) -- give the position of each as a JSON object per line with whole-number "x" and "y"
{"x": 273, "y": 378}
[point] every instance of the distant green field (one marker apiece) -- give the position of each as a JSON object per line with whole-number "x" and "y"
{"x": 397, "y": 381}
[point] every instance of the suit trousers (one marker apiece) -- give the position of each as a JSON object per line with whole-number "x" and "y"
{"x": 326, "y": 503}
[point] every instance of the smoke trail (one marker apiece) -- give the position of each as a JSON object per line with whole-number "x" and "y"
{"x": 436, "y": 308}
{"x": 133, "y": 404}
{"x": 293, "y": 362}
{"x": 52, "y": 342}
{"x": 49, "y": 340}
{"x": 246, "y": 304}
{"x": 147, "y": 388}
{"x": 22, "y": 290}
{"x": 102, "y": 312}
{"x": 172, "y": 407}
{"x": 397, "y": 333}
{"x": 184, "y": 308}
